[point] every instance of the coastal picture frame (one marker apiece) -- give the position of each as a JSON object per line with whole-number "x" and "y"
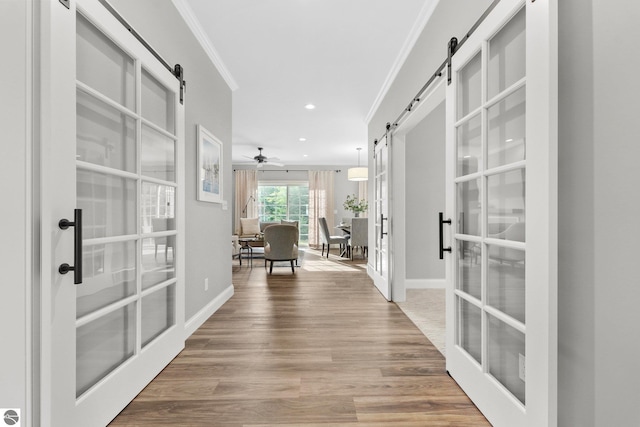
{"x": 210, "y": 167}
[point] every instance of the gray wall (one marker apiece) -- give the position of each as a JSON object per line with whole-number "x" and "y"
{"x": 599, "y": 287}
{"x": 208, "y": 102}
{"x": 424, "y": 176}
{"x": 617, "y": 210}
{"x": 342, "y": 186}
{"x": 599, "y": 205}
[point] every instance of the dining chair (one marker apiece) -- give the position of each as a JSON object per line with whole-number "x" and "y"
{"x": 359, "y": 237}
{"x": 328, "y": 239}
{"x": 164, "y": 224}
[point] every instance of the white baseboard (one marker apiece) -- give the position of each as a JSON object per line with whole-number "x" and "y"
{"x": 425, "y": 283}
{"x": 370, "y": 270}
{"x": 200, "y": 317}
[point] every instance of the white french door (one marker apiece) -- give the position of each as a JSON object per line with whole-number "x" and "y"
{"x": 501, "y": 198}
{"x": 113, "y": 150}
{"x": 382, "y": 232}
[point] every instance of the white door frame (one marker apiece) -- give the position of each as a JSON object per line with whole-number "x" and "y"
{"x": 429, "y": 100}
{"x": 19, "y": 182}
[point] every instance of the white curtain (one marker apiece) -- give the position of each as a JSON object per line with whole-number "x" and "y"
{"x": 362, "y": 194}
{"x": 246, "y": 193}
{"x": 320, "y": 203}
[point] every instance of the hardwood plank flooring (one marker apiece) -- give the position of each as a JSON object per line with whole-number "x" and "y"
{"x": 318, "y": 348}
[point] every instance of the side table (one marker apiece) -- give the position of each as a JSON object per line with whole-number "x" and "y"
{"x": 245, "y": 245}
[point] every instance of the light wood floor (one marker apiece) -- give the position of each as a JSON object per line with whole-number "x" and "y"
{"x": 318, "y": 348}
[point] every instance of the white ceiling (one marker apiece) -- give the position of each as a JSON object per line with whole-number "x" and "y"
{"x": 284, "y": 54}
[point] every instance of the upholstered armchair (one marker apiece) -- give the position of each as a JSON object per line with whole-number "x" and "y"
{"x": 252, "y": 227}
{"x": 164, "y": 224}
{"x": 280, "y": 244}
{"x": 249, "y": 227}
{"x": 235, "y": 247}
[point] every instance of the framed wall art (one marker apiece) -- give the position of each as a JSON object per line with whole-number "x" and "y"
{"x": 210, "y": 167}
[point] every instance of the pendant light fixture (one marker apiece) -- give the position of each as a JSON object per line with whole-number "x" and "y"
{"x": 359, "y": 173}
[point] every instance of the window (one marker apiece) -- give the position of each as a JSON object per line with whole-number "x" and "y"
{"x": 285, "y": 201}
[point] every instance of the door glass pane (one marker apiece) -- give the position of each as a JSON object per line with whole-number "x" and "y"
{"x": 507, "y": 51}
{"x": 157, "y": 207}
{"x": 469, "y": 207}
{"x": 469, "y": 268}
{"x": 158, "y": 313}
{"x": 158, "y": 214}
{"x": 157, "y": 103}
{"x": 103, "y": 66}
{"x": 285, "y": 202}
{"x": 506, "y": 210}
{"x": 469, "y": 87}
{"x": 158, "y": 155}
{"x": 505, "y": 284}
{"x": 469, "y": 147}
{"x": 272, "y": 202}
{"x": 108, "y": 204}
{"x": 470, "y": 329}
{"x": 109, "y": 275}
{"x": 103, "y": 345}
{"x": 105, "y": 136}
{"x": 506, "y": 348}
{"x": 158, "y": 255}
{"x": 506, "y": 130}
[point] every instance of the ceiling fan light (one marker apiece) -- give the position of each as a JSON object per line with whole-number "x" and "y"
{"x": 358, "y": 174}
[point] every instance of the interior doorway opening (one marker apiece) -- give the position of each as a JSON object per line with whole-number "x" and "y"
{"x": 422, "y": 280}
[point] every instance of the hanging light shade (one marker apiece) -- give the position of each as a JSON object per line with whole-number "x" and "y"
{"x": 359, "y": 173}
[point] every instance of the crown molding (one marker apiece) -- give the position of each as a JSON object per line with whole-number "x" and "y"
{"x": 192, "y": 22}
{"x": 412, "y": 39}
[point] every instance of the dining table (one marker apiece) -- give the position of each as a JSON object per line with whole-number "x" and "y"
{"x": 346, "y": 230}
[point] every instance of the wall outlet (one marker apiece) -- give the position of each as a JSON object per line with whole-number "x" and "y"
{"x": 206, "y": 284}
{"x": 521, "y": 367}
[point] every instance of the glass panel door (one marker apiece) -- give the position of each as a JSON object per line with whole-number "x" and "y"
{"x": 489, "y": 177}
{"x": 111, "y": 186}
{"x": 125, "y": 320}
{"x": 381, "y": 276}
{"x": 285, "y": 202}
{"x": 490, "y": 206}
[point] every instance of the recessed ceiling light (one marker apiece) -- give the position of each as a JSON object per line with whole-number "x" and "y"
{"x": 305, "y": 155}
{"x": 310, "y": 106}
{"x": 302, "y": 139}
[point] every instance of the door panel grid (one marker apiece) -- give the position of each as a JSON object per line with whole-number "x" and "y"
{"x": 126, "y": 132}
{"x": 489, "y": 208}
{"x": 381, "y": 204}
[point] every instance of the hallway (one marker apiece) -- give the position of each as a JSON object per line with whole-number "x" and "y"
{"x": 318, "y": 348}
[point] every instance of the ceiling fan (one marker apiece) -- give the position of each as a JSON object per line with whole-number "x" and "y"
{"x": 262, "y": 160}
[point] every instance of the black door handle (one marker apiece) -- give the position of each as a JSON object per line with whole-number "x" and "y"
{"x": 441, "y": 222}
{"x": 77, "y": 246}
{"x": 382, "y": 220}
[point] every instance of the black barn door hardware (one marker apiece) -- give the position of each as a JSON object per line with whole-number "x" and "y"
{"x": 441, "y": 222}
{"x": 77, "y": 246}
